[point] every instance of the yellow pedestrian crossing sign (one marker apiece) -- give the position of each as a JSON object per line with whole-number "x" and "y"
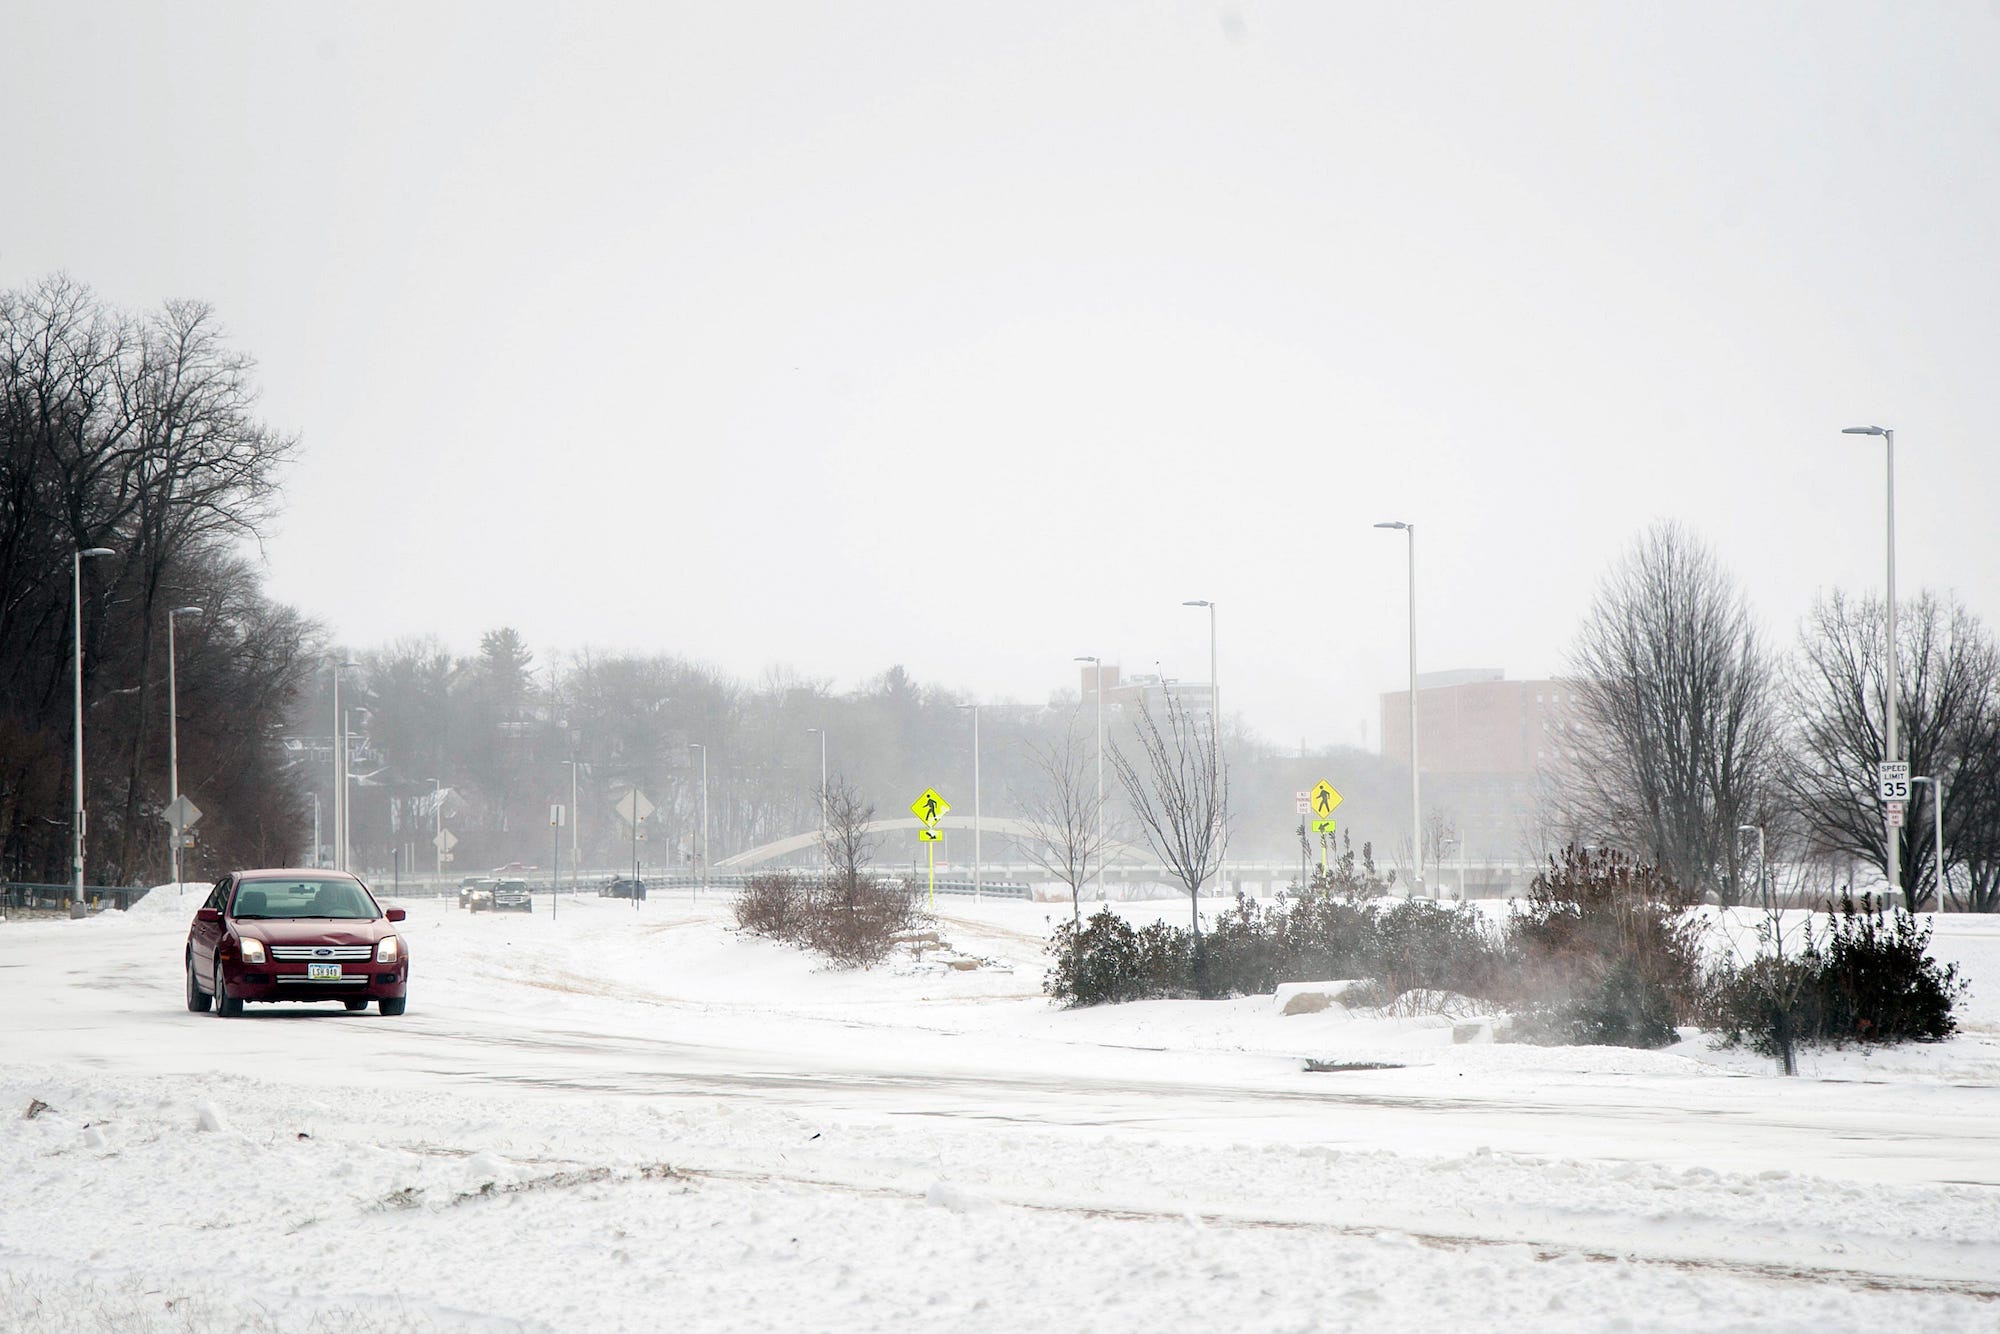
{"x": 1324, "y": 799}
{"x": 1323, "y": 826}
{"x": 929, "y": 806}
{"x": 929, "y": 835}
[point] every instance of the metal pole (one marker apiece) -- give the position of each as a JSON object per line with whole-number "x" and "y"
{"x": 76, "y": 812}
{"x": 316, "y": 834}
{"x": 1101, "y": 849}
{"x": 339, "y": 787}
{"x": 977, "y": 865}
{"x": 437, "y": 841}
{"x": 826, "y": 850}
{"x": 78, "y": 817}
{"x": 572, "y": 828}
{"x": 1890, "y": 708}
{"x": 555, "y": 865}
{"x": 173, "y": 754}
{"x": 1215, "y": 777}
{"x": 696, "y": 745}
{"x": 346, "y": 804}
{"x": 1416, "y": 793}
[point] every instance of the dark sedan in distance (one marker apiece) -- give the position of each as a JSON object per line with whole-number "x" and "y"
{"x": 282, "y": 935}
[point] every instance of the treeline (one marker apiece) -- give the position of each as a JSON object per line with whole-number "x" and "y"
{"x": 497, "y": 730}
{"x": 137, "y": 434}
{"x": 1694, "y": 734}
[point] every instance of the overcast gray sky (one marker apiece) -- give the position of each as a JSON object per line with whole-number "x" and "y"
{"x": 974, "y": 337}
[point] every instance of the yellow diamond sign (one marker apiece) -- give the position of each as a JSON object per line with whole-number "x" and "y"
{"x": 1324, "y": 799}
{"x": 929, "y": 806}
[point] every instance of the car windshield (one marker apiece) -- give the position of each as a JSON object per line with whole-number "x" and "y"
{"x": 305, "y": 897}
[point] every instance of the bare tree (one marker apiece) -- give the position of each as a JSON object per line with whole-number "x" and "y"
{"x": 1179, "y": 792}
{"x": 1675, "y": 735}
{"x": 847, "y": 840}
{"x": 1949, "y": 720}
{"x": 1063, "y": 815}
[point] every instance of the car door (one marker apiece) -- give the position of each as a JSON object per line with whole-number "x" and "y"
{"x": 204, "y": 936}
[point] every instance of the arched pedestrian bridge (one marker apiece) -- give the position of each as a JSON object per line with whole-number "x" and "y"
{"x": 1114, "y": 851}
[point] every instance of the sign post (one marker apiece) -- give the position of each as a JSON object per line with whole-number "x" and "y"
{"x": 180, "y": 816}
{"x": 1326, "y": 800}
{"x": 558, "y": 817}
{"x": 633, "y": 808}
{"x": 929, "y": 807}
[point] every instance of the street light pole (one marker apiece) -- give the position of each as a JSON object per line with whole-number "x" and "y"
{"x": 572, "y": 827}
{"x": 696, "y": 745}
{"x": 1409, "y": 530}
{"x": 825, "y": 850}
{"x": 174, "y": 741}
{"x": 1216, "y": 765}
{"x": 1937, "y": 831}
{"x": 1097, "y": 663}
{"x": 77, "y": 816}
{"x": 978, "y": 878}
{"x": 1893, "y": 832}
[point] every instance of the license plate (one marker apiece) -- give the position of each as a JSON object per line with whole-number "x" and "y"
{"x": 323, "y": 972}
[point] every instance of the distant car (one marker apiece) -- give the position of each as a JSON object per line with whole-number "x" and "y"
{"x": 510, "y": 896}
{"x": 470, "y": 886}
{"x": 282, "y": 935}
{"x": 623, "y": 888}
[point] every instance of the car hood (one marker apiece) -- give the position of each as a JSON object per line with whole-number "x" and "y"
{"x": 315, "y": 931}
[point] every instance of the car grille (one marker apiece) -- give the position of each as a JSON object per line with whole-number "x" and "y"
{"x": 300, "y": 980}
{"x": 321, "y": 953}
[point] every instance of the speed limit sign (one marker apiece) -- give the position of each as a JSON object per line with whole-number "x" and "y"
{"x": 1892, "y": 781}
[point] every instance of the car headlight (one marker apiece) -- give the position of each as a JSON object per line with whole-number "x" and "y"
{"x": 389, "y": 950}
{"x": 253, "y": 950}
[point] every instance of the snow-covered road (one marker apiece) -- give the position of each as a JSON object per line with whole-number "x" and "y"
{"x": 581, "y": 1117}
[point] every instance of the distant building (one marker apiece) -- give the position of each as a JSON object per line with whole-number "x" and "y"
{"x": 1483, "y": 744}
{"x": 1128, "y": 694}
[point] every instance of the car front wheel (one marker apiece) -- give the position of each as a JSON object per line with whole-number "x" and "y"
{"x": 198, "y": 1000}
{"x": 355, "y": 1004}
{"x": 393, "y": 1005}
{"x": 226, "y": 1005}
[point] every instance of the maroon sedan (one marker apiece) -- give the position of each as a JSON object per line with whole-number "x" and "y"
{"x": 295, "y": 936}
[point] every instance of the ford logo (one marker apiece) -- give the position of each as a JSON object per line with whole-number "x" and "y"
{"x": 323, "y": 953}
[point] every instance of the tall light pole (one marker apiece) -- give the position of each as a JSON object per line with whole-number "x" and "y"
{"x": 1216, "y": 765}
{"x": 1098, "y": 664}
{"x": 1894, "y": 832}
{"x": 174, "y": 739}
{"x": 1409, "y": 530}
{"x": 76, "y": 823}
{"x": 572, "y": 827}
{"x": 696, "y": 745}
{"x": 825, "y": 849}
{"x": 1937, "y": 831}
{"x": 978, "y": 876}
{"x": 1763, "y": 879}
{"x": 339, "y": 771}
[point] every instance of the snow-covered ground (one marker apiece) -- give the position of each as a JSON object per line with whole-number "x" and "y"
{"x": 624, "y": 1119}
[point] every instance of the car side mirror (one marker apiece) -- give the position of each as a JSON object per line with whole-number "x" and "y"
{"x": 397, "y": 914}
{"x": 212, "y": 916}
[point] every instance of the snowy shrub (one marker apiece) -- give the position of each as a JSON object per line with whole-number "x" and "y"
{"x": 1249, "y": 950}
{"x": 1605, "y": 950}
{"x": 1623, "y": 1008}
{"x": 855, "y": 918}
{"x": 1096, "y": 963}
{"x": 1869, "y": 978}
{"x": 852, "y": 918}
{"x": 773, "y": 904}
